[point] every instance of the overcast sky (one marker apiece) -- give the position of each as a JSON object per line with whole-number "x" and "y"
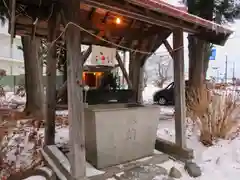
{"x": 231, "y": 50}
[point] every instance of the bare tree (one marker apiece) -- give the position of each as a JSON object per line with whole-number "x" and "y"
{"x": 163, "y": 67}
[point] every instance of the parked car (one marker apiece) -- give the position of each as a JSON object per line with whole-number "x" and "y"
{"x": 165, "y": 96}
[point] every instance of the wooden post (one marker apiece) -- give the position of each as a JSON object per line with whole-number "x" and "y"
{"x": 125, "y": 74}
{"x": 51, "y": 82}
{"x": 140, "y": 83}
{"x": 136, "y": 75}
{"x": 179, "y": 82}
{"x": 124, "y": 62}
{"x": 75, "y": 92}
{"x": 64, "y": 96}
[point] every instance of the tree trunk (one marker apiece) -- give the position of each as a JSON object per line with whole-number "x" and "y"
{"x": 196, "y": 61}
{"x": 192, "y": 43}
{"x": 33, "y": 77}
{"x": 206, "y": 58}
{"x": 203, "y": 9}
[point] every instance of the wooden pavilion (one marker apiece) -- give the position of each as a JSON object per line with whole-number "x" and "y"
{"x": 145, "y": 25}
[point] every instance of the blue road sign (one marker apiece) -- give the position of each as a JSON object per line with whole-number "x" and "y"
{"x": 213, "y": 54}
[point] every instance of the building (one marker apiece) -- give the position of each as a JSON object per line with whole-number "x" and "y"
{"x": 11, "y": 60}
{"x": 12, "y": 66}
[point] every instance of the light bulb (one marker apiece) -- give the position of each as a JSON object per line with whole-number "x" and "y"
{"x": 118, "y": 21}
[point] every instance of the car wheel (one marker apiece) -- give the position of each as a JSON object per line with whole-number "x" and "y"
{"x": 162, "y": 101}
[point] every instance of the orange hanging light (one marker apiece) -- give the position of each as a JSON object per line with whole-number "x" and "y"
{"x": 118, "y": 20}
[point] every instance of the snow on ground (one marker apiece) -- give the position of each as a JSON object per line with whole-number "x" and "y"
{"x": 35, "y": 178}
{"x": 148, "y": 93}
{"x": 11, "y": 99}
{"x": 221, "y": 161}
{"x": 23, "y": 151}
{"x": 10, "y": 96}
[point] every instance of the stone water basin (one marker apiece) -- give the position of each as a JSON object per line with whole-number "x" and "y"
{"x": 118, "y": 133}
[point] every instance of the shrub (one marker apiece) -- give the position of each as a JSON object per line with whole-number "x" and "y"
{"x": 216, "y": 115}
{"x": 197, "y": 101}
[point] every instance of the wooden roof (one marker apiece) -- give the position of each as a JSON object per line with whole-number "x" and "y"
{"x": 144, "y": 23}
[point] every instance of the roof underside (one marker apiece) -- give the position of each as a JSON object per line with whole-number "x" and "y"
{"x": 145, "y": 23}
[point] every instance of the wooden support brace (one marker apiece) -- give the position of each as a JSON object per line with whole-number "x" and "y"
{"x": 75, "y": 92}
{"x": 51, "y": 81}
{"x": 63, "y": 88}
{"x": 179, "y": 88}
{"x": 121, "y": 65}
{"x": 125, "y": 74}
{"x": 168, "y": 47}
{"x": 86, "y": 54}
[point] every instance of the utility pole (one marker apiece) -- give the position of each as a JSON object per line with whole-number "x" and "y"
{"x": 226, "y": 68}
{"x": 233, "y": 69}
{"x": 217, "y": 70}
{"x": 233, "y": 76}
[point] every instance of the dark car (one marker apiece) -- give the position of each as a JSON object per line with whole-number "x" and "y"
{"x": 165, "y": 96}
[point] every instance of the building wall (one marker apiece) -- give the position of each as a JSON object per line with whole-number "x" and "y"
{"x": 5, "y": 47}
{"x": 12, "y": 81}
{"x": 12, "y": 66}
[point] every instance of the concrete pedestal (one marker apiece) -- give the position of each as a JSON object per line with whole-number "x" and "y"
{"x": 119, "y": 133}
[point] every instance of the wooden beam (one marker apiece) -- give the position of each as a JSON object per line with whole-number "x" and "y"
{"x": 104, "y": 20}
{"x": 155, "y": 44}
{"x": 61, "y": 91}
{"x": 86, "y": 54}
{"x": 63, "y": 18}
{"x": 150, "y": 48}
{"x": 168, "y": 47}
{"x": 125, "y": 74}
{"x": 51, "y": 81}
{"x": 126, "y": 32}
{"x": 75, "y": 92}
{"x": 179, "y": 88}
{"x": 120, "y": 63}
{"x": 139, "y": 14}
{"x": 91, "y": 25}
{"x": 93, "y": 10}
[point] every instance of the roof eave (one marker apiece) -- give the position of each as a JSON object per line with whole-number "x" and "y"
{"x": 217, "y": 34}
